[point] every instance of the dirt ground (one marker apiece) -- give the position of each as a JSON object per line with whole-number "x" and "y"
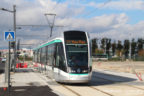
{"x": 120, "y": 66}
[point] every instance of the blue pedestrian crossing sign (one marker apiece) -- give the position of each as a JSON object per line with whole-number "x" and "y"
{"x": 9, "y": 36}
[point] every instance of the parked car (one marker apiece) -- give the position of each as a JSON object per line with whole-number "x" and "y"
{"x": 3, "y": 60}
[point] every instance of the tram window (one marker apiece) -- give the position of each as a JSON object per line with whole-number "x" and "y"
{"x": 38, "y": 55}
{"x": 60, "y": 60}
{"x": 77, "y": 55}
{"x": 51, "y": 54}
{"x": 72, "y": 35}
{"x": 48, "y": 55}
{"x": 43, "y": 56}
{"x": 76, "y": 48}
{"x": 54, "y": 55}
{"x": 57, "y": 56}
{"x": 35, "y": 56}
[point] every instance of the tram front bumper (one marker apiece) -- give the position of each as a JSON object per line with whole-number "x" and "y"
{"x": 79, "y": 78}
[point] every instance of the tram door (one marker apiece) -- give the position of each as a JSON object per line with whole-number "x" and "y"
{"x": 57, "y": 63}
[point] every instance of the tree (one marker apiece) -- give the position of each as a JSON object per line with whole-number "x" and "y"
{"x": 108, "y": 46}
{"x": 113, "y": 47}
{"x": 133, "y": 47}
{"x": 119, "y": 48}
{"x": 119, "y": 45}
{"x": 103, "y": 42}
{"x": 140, "y": 44}
{"x": 126, "y": 47}
{"x": 94, "y": 45}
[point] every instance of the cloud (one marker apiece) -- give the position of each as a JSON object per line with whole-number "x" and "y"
{"x": 114, "y": 26}
{"x": 120, "y": 5}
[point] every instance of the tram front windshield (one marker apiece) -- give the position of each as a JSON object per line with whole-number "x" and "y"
{"x": 76, "y": 49}
{"x": 77, "y": 55}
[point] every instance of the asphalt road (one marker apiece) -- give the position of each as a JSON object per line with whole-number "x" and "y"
{"x": 29, "y": 82}
{"x": 28, "y": 91}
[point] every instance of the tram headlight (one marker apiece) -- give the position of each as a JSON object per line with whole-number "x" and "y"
{"x": 73, "y": 71}
{"x": 85, "y": 71}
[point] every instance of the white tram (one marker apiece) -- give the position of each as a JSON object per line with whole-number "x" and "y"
{"x": 66, "y": 58}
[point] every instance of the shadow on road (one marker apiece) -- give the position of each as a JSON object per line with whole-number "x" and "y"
{"x": 99, "y": 78}
{"x": 29, "y": 91}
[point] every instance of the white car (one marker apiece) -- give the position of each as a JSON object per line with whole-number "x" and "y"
{"x": 3, "y": 60}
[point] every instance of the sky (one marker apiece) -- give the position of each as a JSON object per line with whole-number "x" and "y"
{"x": 116, "y": 19}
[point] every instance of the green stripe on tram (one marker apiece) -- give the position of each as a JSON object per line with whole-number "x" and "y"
{"x": 77, "y": 74}
{"x": 55, "y": 41}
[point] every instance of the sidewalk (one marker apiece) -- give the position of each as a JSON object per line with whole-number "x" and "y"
{"x": 25, "y": 82}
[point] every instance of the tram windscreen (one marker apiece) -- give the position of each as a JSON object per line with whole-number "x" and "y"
{"x": 76, "y": 49}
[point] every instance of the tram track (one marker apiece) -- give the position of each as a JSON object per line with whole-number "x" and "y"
{"x": 72, "y": 91}
{"x": 93, "y": 88}
{"x": 75, "y": 92}
{"x": 101, "y": 91}
{"x": 114, "y": 82}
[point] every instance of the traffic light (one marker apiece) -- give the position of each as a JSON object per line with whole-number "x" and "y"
{"x": 12, "y": 45}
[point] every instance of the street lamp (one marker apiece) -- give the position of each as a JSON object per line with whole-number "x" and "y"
{"x": 51, "y": 25}
{"x": 14, "y": 27}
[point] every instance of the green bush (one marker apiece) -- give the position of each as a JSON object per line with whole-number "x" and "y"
{"x": 115, "y": 59}
{"x": 139, "y": 58}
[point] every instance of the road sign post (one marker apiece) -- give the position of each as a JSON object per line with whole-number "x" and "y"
{"x": 9, "y": 71}
{"x": 9, "y": 36}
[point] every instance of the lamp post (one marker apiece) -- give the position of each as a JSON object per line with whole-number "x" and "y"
{"x": 14, "y": 28}
{"x": 51, "y": 25}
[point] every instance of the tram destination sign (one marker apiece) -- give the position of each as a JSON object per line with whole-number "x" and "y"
{"x": 76, "y": 42}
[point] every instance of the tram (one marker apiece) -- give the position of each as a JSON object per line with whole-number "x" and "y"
{"x": 66, "y": 58}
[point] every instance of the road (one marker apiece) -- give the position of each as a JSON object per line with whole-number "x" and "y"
{"x": 103, "y": 83}
{"x": 118, "y": 66}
